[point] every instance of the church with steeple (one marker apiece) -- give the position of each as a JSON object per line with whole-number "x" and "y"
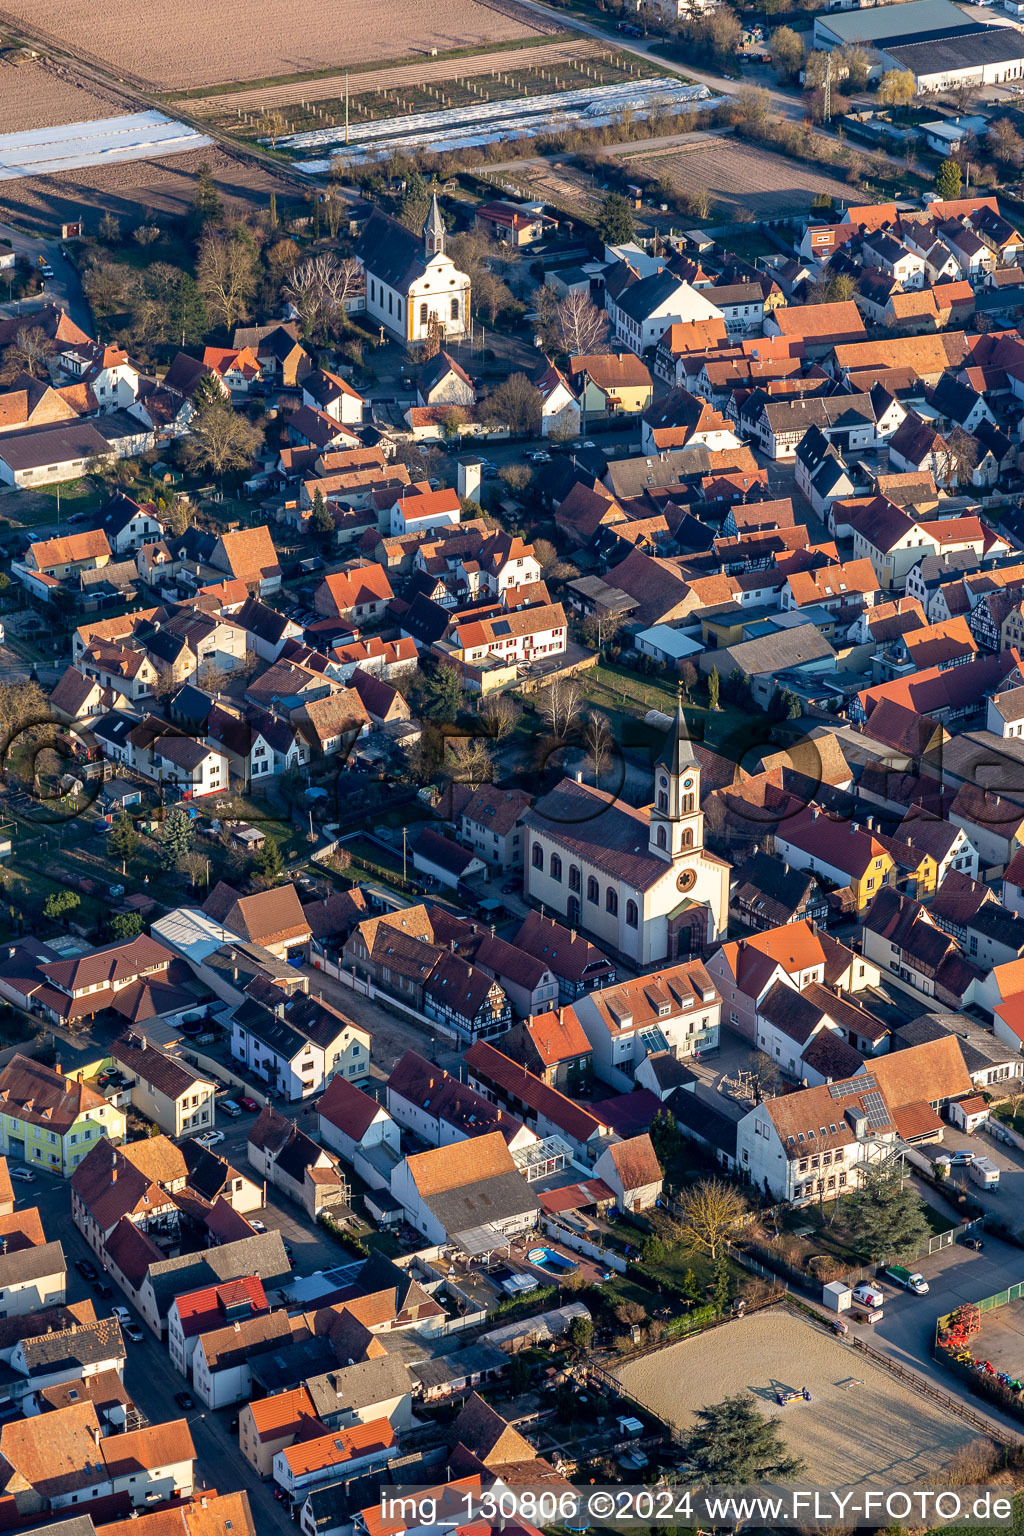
{"x": 636, "y": 881}
{"x": 413, "y": 288}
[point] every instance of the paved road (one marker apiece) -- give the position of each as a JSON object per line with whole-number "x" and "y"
{"x": 64, "y": 287}
{"x": 149, "y": 1375}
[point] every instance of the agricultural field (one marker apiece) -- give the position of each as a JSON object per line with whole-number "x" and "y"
{"x": 38, "y": 95}
{"x": 163, "y": 186}
{"x": 859, "y": 1418}
{"x": 392, "y": 77}
{"x": 432, "y": 86}
{"x": 738, "y": 176}
{"x": 182, "y": 44}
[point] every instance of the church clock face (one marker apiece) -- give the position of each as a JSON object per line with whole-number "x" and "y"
{"x": 687, "y": 880}
{"x": 687, "y": 783}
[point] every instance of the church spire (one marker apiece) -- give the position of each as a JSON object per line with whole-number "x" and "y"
{"x": 433, "y": 230}
{"x": 677, "y": 753}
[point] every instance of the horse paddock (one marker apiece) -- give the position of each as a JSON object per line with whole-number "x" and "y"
{"x": 860, "y": 1423}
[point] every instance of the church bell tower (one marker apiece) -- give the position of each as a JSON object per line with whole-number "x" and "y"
{"x": 677, "y": 821}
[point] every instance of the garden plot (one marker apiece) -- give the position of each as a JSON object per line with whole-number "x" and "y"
{"x": 739, "y": 176}
{"x": 108, "y": 141}
{"x": 860, "y": 1424}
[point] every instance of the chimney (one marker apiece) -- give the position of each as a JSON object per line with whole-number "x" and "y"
{"x": 854, "y": 827}
{"x": 113, "y": 1174}
{"x": 202, "y": 1502}
{"x": 814, "y": 813}
{"x": 238, "y": 1329}
{"x": 572, "y": 934}
{"x": 96, "y": 1433}
{"x": 561, "y": 1012}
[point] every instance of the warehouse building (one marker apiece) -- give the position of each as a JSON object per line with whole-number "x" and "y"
{"x": 941, "y": 44}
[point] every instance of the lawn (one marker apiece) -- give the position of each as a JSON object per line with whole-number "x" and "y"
{"x": 829, "y": 1233}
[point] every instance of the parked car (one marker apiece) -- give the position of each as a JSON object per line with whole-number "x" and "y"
{"x": 86, "y": 1268}
{"x": 23, "y": 1175}
{"x": 257, "y": 1225}
{"x": 122, "y": 1314}
{"x": 976, "y": 1243}
{"x": 510, "y": 886}
{"x": 868, "y": 1295}
{"x": 210, "y": 1138}
{"x": 249, "y": 1104}
{"x": 230, "y": 1108}
{"x": 185, "y": 1400}
{"x": 134, "y": 1332}
{"x": 963, "y": 1158}
{"x": 102, "y": 1289}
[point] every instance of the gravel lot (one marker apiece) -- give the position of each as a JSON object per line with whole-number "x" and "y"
{"x": 741, "y": 175}
{"x": 875, "y": 1430}
{"x": 35, "y": 95}
{"x": 181, "y": 44}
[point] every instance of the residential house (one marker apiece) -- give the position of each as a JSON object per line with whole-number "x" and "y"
{"x": 469, "y": 1187}
{"x": 163, "y": 1089}
{"x": 676, "y": 1008}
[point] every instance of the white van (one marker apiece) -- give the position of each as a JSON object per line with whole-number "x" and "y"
{"x": 868, "y": 1295}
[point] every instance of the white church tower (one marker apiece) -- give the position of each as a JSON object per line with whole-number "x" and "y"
{"x": 677, "y": 821}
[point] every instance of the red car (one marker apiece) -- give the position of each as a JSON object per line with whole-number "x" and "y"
{"x": 249, "y": 1104}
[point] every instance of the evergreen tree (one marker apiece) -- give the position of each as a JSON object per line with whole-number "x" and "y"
{"x": 948, "y": 181}
{"x": 443, "y": 694}
{"x": 732, "y": 1445}
{"x": 126, "y": 926}
{"x": 122, "y": 839}
{"x": 187, "y": 318}
{"x": 714, "y": 688}
{"x": 615, "y": 220}
{"x": 175, "y": 837}
{"x": 205, "y": 200}
{"x": 268, "y": 861}
{"x": 885, "y": 1216}
{"x": 321, "y": 523}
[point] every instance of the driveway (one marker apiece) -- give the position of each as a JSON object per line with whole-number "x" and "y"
{"x": 63, "y": 288}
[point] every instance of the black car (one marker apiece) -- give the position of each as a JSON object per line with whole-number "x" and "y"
{"x": 185, "y": 1400}
{"x": 86, "y": 1269}
{"x": 102, "y": 1289}
{"x": 973, "y": 1242}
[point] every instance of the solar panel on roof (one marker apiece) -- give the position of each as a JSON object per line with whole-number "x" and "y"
{"x": 874, "y": 1108}
{"x": 502, "y": 627}
{"x": 853, "y": 1085}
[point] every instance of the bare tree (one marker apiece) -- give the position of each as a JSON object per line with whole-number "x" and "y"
{"x": 515, "y": 404}
{"x": 708, "y": 1212}
{"x": 467, "y": 760}
{"x": 227, "y": 273}
{"x": 560, "y": 706}
{"x": 599, "y": 742}
{"x": 320, "y": 290}
{"x": 581, "y": 326}
{"x": 500, "y": 714}
{"x": 960, "y": 459}
{"x": 273, "y": 126}
{"x": 220, "y": 440}
{"x": 179, "y": 516}
{"x": 28, "y": 352}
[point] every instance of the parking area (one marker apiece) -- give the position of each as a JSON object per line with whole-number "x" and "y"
{"x": 1007, "y": 1201}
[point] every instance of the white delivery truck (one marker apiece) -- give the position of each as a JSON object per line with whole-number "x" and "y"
{"x": 984, "y": 1172}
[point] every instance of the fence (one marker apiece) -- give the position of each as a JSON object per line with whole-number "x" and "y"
{"x": 579, "y": 1244}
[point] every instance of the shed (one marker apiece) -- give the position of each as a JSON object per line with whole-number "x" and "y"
{"x": 837, "y": 1296}
{"x": 968, "y": 1114}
